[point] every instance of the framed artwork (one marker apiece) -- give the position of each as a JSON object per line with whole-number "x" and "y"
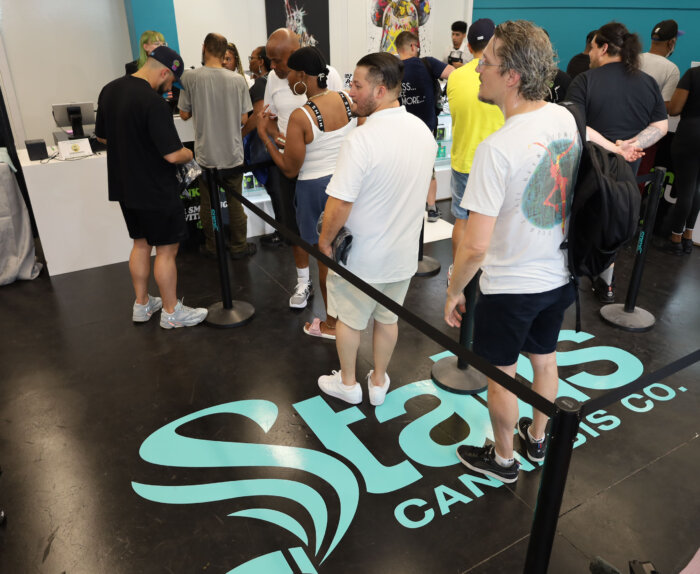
{"x": 307, "y": 18}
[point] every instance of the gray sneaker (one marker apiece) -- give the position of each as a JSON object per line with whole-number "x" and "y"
{"x": 142, "y": 313}
{"x": 302, "y": 293}
{"x": 182, "y": 316}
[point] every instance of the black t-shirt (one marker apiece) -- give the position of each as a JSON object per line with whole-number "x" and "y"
{"x": 617, "y": 104}
{"x": 578, "y": 65}
{"x": 687, "y": 139}
{"x": 257, "y": 90}
{"x": 559, "y": 87}
{"x": 417, "y": 89}
{"x": 138, "y": 126}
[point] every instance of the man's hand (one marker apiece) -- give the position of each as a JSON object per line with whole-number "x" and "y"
{"x": 629, "y": 149}
{"x": 455, "y": 307}
{"x": 326, "y": 250}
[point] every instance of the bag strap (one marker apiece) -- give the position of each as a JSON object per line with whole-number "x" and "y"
{"x": 319, "y": 117}
{"x": 348, "y": 111}
{"x": 580, "y": 118}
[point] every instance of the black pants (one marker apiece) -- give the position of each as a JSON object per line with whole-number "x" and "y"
{"x": 687, "y": 184}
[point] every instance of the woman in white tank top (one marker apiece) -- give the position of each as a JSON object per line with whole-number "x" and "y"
{"x": 314, "y": 135}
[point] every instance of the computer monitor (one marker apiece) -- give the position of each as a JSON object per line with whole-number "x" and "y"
{"x": 74, "y": 116}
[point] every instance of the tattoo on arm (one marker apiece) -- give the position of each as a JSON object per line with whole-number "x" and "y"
{"x": 649, "y": 136}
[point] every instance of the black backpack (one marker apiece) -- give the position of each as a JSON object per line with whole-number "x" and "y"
{"x": 437, "y": 88}
{"x": 604, "y": 214}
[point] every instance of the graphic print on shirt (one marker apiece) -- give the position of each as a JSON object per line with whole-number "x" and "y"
{"x": 548, "y": 192}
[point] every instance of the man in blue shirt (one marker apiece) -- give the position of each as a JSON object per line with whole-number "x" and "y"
{"x": 418, "y": 93}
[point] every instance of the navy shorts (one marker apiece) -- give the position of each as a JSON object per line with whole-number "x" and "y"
{"x": 157, "y": 227}
{"x": 506, "y": 324}
{"x": 310, "y": 201}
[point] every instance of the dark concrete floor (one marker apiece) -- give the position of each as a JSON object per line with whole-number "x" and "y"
{"x": 82, "y": 388}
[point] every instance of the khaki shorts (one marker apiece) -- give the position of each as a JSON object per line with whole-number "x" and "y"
{"x": 354, "y": 308}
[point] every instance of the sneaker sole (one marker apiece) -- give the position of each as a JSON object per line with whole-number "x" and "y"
{"x": 136, "y": 319}
{"x": 301, "y": 306}
{"x": 527, "y": 451}
{"x": 169, "y": 325}
{"x": 487, "y": 472}
{"x": 343, "y": 398}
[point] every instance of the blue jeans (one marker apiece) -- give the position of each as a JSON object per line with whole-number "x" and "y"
{"x": 458, "y": 182}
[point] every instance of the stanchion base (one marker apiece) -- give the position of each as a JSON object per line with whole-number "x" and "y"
{"x": 241, "y": 314}
{"x": 427, "y": 267}
{"x": 638, "y": 321}
{"x": 448, "y": 376}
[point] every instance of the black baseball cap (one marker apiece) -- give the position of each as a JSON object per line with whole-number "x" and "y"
{"x": 481, "y": 30}
{"x": 171, "y": 60}
{"x": 665, "y": 30}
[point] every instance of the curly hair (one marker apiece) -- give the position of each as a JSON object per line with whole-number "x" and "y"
{"x": 525, "y": 48}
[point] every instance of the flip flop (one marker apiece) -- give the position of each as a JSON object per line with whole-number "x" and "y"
{"x": 313, "y": 329}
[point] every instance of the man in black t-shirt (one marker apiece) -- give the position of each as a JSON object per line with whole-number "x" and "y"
{"x": 624, "y": 110}
{"x": 418, "y": 93}
{"x": 581, "y": 62}
{"x": 136, "y": 124}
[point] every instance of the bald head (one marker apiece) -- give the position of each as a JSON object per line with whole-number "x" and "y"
{"x": 280, "y": 45}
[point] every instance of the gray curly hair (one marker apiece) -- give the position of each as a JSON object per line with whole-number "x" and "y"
{"x": 526, "y": 49}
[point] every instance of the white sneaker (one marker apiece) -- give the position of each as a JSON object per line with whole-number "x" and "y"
{"x": 302, "y": 293}
{"x": 377, "y": 394}
{"x": 333, "y": 385}
{"x": 182, "y": 316}
{"x": 143, "y": 313}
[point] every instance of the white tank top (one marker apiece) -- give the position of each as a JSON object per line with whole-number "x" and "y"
{"x": 322, "y": 152}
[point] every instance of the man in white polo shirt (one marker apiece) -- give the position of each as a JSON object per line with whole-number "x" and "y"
{"x": 378, "y": 194}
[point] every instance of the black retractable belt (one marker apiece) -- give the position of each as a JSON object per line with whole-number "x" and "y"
{"x": 223, "y": 314}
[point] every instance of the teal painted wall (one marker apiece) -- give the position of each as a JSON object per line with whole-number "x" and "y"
{"x": 158, "y": 15}
{"x": 568, "y": 21}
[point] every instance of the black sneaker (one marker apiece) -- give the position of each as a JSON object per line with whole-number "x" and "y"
{"x": 272, "y": 240}
{"x": 673, "y": 248}
{"x": 604, "y": 292}
{"x": 434, "y": 214}
{"x": 250, "y": 250}
{"x": 535, "y": 451}
{"x": 687, "y": 245}
{"x": 481, "y": 459}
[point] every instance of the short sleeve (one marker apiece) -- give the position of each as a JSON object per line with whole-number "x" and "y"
{"x": 257, "y": 91}
{"x": 347, "y": 179}
{"x": 183, "y": 101}
{"x": 659, "y": 111}
{"x": 576, "y": 94}
{"x": 684, "y": 83}
{"x": 267, "y": 98}
{"x": 100, "y": 119}
{"x": 670, "y": 85}
{"x": 436, "y": 66}
{"x": 161, "y": 128}
{"x": 335, "y": 82}
{"x": 486, "y": 186}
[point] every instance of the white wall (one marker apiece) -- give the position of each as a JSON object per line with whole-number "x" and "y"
{"x": 240, "y": 21}
{"x": 60, "y": 51}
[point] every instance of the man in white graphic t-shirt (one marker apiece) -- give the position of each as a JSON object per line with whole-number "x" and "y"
{"x": 518, "y": 195}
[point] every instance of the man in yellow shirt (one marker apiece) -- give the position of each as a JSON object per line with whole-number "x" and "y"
{"x": 472, "y": 121}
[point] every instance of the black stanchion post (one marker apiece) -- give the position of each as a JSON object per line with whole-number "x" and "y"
{"x": 452, "y": 373}
{"x": 223, "y": 314}
{"x": 627, "y": 316}
{"x": 551, "y": 492}
{"x": 427, "y": 266}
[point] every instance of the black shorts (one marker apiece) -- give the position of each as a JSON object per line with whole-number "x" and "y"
{"x": 506, "y": 324}
{"x": 157, "y": 227}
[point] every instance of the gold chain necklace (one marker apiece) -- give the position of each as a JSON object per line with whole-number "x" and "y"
{"x": 318, "y": 95}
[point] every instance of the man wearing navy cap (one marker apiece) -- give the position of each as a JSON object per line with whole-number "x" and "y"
{"x": 656, "y": 61}
{"x": 143, "y": 147}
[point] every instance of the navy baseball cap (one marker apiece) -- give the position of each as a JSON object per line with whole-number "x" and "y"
{"x": 481, "y": 30}
{"x": 665, "y": 30}
{"x": 171, "y": 60}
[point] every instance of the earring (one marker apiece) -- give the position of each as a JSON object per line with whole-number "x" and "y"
{"x": 294, "y": 89}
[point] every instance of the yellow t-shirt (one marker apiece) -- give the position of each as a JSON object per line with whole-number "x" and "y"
{"x": 472, "y": 120}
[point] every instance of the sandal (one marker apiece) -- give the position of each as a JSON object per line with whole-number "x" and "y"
{"x": 314, "y": 329}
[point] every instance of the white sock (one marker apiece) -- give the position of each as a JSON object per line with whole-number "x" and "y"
{"x": 500, "y": 461}
{"x": 303, "y": 275}
{"x": 532, "y": 438}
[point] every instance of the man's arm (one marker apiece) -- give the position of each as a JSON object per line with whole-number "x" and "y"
{"x": 291, "y": 160}
{"x": 244, "y": 118}
{"x": 448, "y": 70}
{"x": 627, "y": 149}
{"x": 252, "y": 123}
{"x": 183, "y": 155}
{"x": 101, "y": 140}
{"x": 650, "y": 134}
{"x": 335, "y": 215}
{"x": 468, "y": 259}
{"x": 677, "y": 103}
{"x": 185, "y": 115}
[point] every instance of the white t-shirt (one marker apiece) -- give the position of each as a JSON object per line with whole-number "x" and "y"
{"x": 512, "y": 179}
{"x": 664, "y": 71}
{"x": 282, "y": 100}
{"x": 384, "y": 169}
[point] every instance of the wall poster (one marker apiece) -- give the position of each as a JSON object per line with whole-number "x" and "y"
{"x": 307, "y": 18}
{"x": 387, "y": 18}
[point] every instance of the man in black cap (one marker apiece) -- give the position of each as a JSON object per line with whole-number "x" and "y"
{"x": 143, "y": 147}
{"x": 656, "y": 61}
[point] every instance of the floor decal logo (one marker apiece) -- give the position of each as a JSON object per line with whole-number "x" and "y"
{"x": 167, "y": 448}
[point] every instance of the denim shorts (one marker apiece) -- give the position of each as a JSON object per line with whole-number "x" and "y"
{"x": 310, "y": 201}
{"x": 458, "y": 183}
{"x": 506, "y": 324}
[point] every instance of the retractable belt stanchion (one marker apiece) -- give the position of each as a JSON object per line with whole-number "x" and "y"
{"x": 627, "y": 316}
{"x": 453, "y": 373}
{"x": 226, "y": 313}
{"x": 427, "y": 266}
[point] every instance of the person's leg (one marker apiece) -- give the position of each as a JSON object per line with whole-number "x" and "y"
{"x": 686, "y": 170}
{"x": 458, "y": 183}
{"x": 384, "y": 339}
{"x": 140, "y": 269}
{"x": 322, "y": 276}
{"x": 503, "y": 412}
{"x": 165, "y": 273}
{"x": 545, "y": 383}
{"x": 205, "y": 215}
{"x": 347, "y": 342}
{"x": 237, "y": 219}
{"x": 432, "y": 193}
